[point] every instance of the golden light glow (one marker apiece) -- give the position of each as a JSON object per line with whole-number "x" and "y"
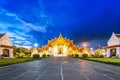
{"x": 84, "y": 45}
{"x": 60, "y": 47}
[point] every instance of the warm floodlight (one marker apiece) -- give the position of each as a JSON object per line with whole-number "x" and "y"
{"x": 84, "y": 45}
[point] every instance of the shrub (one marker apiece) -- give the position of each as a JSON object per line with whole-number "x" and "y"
{"x": 101, "y": 56}
{"x": 28, "y": 55}
{"x": 98, "y": 54}
{"x": 76, "y": 55}
{"x": 48, "y": 55}
{"x": 36, "y": 56}
{"x": 84, "y": 55}
{"x": 20, "y": 55}
{"x": 44, "y": 55}
{"x": 72, "y": 55}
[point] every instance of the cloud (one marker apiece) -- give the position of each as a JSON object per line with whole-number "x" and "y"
{"x": 37, "y": 21}
{"x": 32, "y": 26}
{"x": 21, "y": 22}
{"x": 18, "y": 29}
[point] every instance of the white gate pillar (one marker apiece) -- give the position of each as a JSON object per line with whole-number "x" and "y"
{"x": 11, "y": 53}
{"x": 118, "y": 52}
{"x": 108, "y": 52}
{"x": 1, "y": 52}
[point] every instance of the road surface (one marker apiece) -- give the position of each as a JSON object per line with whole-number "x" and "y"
{"x": 60, "y": 69}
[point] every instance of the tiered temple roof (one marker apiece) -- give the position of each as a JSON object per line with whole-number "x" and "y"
{"x": 60, "y": 41}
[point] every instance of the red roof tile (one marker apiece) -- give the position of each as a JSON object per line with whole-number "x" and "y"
{"x": 5, "y": 46}
{"x": 118, "y": 35}
{"x": 112, "y": 46}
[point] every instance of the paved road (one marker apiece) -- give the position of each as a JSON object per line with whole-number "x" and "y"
{"x": 60, "y": 69}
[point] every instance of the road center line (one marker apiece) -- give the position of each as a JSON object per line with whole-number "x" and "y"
{"x": 61, "y": 70}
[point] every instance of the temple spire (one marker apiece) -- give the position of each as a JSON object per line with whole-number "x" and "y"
{"x": 60, "y": 36}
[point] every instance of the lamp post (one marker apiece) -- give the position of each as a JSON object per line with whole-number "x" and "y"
{"x": 20, "y": 46}
{"x": 99, "y": 46}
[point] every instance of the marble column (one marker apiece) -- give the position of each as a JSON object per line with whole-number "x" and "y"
{"x": 118, "y": 52}
{"x": 11, "y": 53}
{"x": 1, "y": 52}
{"x": 108, "y": 52}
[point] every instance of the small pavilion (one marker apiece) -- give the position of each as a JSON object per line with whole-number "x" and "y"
{"x": 6, "y": 48}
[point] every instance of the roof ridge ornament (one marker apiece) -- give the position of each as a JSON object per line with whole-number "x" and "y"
{"x": 60, "y": 36}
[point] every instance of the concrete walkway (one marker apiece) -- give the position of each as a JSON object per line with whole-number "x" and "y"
{"x": 60, "y": 69}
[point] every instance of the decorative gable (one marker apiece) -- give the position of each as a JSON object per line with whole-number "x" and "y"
{"x": 4, "y": 40}
{"x": 114, "y": 40}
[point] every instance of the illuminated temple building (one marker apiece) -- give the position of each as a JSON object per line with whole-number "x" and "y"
{"x": 61, "y": 47}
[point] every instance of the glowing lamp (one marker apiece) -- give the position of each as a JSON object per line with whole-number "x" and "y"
{"x": 84, "y": 45}
{"x": 35, "y": 44}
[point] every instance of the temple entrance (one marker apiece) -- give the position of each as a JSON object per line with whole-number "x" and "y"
{"x": 60, "y": 50}
{"x": 112, "y": 52}
{"x": 6, "y": 53}
{"x": 60, "y": 47}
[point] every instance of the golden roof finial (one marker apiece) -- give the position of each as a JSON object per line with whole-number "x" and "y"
{"x": 60, "y": 36}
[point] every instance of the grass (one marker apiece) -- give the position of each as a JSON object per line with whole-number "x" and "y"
{"x": 9, "y": 61}
{"x": 113, "y": 61}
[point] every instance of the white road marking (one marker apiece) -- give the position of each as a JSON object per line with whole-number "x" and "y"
{"x": 44, "y": 70}
{"x": 105, "y": 70}
{"x": 79, "y": 71}
{"x": 42, "y": 73}
{"x": 108, "y": 77}
{"x": 20, "y": 75}
{"x": 61, "y": 70}
{"x": 11, "y": 71}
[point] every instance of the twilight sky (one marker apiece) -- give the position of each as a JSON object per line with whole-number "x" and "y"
{"x": 37, "y": 21}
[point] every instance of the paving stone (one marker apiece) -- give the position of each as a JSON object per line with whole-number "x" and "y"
{"x": 115, "y": 77}
{"x": 97, "y": 77}
{"x": 74, "y": 77}
{"x": 60, "y": 68}
{"x": 53, "y": 77}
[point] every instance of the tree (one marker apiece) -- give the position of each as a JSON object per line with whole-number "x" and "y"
{"x": 21, "y": 51}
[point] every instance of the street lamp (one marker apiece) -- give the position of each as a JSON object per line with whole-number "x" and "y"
{"x": 84, "y": 45}
{"x": 20, "y": 46}
{"x": 35, "y": 45}
{"x": 91, "y": 49}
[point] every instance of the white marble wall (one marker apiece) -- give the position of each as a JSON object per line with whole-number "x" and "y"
{"x": 11, "y": 53}
{"x": 1, "y": 52}
{"x": 108, "y": 52}
{"x": 118, "y": 52}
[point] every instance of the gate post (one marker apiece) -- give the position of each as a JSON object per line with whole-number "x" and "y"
{"x": 1, "y": 52}
{"x": 11, "y": 53}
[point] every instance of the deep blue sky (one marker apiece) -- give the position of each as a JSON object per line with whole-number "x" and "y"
{"x": 37, "y": 21}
